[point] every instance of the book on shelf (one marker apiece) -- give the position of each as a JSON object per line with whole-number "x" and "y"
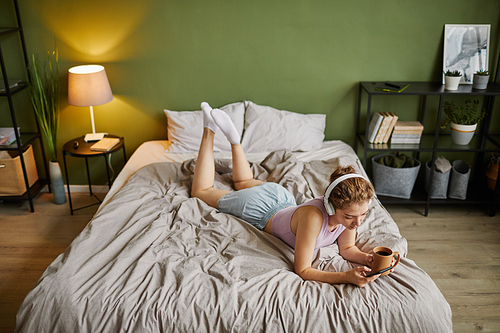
{"x": 105, "y": 144}
{"x": 374, "y": 126}
{"x": 405, "y": 141}
{"x": 389, "y": 86}
{"x": 406, "y": 138}
{"x": 407, "y": 132}
{"x": 408, "y": 126}
{"x": 391, "y": 127}
{"x": 405, "y": 145}
{"x": 384, "y": 127}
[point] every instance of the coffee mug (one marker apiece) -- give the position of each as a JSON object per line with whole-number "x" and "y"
{"x": 382, "y": 258}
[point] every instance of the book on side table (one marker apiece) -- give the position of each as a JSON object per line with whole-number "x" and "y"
{"x": 105, "y": 144}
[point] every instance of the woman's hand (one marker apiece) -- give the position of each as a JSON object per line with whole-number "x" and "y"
{"x": 357, "y": 276}
{"x": 369, "y": 260}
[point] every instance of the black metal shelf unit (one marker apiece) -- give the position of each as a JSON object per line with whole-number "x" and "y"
{"x": 483, "y": 142}
{"x": 24, "y": 139}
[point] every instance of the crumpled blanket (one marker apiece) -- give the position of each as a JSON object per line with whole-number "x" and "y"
{"x": 156, "y": 260}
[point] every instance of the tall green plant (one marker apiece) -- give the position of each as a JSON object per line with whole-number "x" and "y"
{"x": 43, "y": 86}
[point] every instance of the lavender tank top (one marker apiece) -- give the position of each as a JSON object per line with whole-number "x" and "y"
{"x": 280, "y": 226}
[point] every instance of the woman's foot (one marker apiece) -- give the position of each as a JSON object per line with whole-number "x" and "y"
{"x": 207, "y": 117}
{"x": 225, "y": 123}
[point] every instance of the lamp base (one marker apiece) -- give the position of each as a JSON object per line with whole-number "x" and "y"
{"x": 94, "y": 136}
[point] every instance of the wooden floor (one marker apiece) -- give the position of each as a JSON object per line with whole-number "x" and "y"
{"x": 459, "y": 247}
{"x": 29, "y": 242}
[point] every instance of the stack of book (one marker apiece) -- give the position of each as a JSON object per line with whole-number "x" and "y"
{"x": 407, "y": 133}
{"x": 381, "y": 127}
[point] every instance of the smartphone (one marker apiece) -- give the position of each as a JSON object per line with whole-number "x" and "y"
{"x": 379, "y": 272}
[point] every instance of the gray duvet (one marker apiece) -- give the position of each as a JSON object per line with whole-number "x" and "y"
{"x": 156, "y": 260}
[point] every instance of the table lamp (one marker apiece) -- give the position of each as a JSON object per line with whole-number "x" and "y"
{"x": 88, "y": 86}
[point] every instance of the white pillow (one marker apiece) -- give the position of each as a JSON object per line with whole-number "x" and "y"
{"x": 185, "y": 128}
{"x": 268, "y": 129}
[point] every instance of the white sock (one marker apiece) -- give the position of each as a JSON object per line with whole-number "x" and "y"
{"x": 226, "y": 125}
{"x": 207, "y": 117}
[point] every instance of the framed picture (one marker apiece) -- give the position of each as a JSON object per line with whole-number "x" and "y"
{"x": 466, "y": 49}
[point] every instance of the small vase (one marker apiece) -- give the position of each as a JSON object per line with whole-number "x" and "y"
{"x": 451, "y": 82}
{"x": 492, "y": 175}
{"x": 462, "y": 134}
{"x": 480, "y": 81}
{"x": 57, "y": 183}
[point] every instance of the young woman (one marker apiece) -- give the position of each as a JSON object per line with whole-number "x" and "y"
{"x": 271, "y": 208}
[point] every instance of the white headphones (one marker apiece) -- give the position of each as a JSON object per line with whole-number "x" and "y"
{"x": 328, "y": 206}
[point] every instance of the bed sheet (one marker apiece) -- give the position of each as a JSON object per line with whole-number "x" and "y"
{"x": 154, "y": 259}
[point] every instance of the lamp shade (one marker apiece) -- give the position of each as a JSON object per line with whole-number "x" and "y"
{"x": 88, "y": 86}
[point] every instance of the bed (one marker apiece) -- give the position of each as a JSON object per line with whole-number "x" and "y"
{"x": 153, "y": 259}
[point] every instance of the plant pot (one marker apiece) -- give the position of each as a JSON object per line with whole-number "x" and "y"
{"x": 480, "y": 81}
{"x": 57, "y": 183}
{"x": 462, "y": 134}
{"x": 492, "y": 175}
{"x": 451, "y": 82}
{"x": 459, "y": 180}
{"x": 394, "y": 182}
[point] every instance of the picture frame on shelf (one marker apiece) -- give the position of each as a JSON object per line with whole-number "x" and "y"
{"x": 466, "y": 49}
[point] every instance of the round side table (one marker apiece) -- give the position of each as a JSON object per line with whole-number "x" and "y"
{"x": 79, "y": 148}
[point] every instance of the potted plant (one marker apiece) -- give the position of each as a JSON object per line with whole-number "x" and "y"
{"x": 452, "y": 79}
{"x": 463, "y": 121}
{"x": 43, "y": 86}
{"x": 480, "y": 80}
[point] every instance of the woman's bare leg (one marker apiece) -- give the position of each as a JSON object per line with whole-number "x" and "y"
{"x": 203, "y": 179}
{"x": 242, "y": 174}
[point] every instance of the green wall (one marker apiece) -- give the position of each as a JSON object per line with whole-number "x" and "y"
{"x": 299, "y": 55}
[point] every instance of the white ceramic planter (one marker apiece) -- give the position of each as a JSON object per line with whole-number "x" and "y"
{"x": 451, "y": 82}
{"x": 57, "y": 183}
{"x": 480, "y": 81}
{"x": 462, "y": 134}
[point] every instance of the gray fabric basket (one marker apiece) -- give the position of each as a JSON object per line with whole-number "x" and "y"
{"x": 394, "y": 182}
{"x": 459, "y": 180}
{"x": 439, "y": 186}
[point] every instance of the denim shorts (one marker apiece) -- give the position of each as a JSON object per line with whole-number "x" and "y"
{"x": 256, "y": 205}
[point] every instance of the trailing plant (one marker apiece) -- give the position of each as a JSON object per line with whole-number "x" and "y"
{"x": 43, "y": 86}
{"x": 481, "y": 72}
{"x": 463, "y": 116}
{"x": 452, "y": 73}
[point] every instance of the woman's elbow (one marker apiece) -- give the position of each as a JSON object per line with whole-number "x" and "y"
{"x": 302, "y": 272}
